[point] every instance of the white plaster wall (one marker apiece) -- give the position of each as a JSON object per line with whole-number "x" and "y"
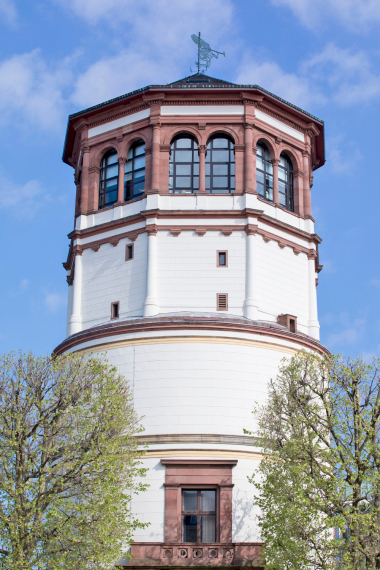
{"x": 188, "y": 277}
{"x": 244, "y": 513}
{"x": 108, "y": 278}
{"x": 196, "y": 387}
{"x": 282, "y": 283}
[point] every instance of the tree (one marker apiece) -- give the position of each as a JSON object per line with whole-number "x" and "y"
{"x": 68, "y": 463}
{"x": 319, "y": 481}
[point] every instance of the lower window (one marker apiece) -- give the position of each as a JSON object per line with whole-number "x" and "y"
{"x": 199, "y": 515}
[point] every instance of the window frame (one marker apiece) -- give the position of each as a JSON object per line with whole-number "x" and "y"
{"x": 128, "y": 247}
{"x": 209, "y": 178}
{"x": 102, "y": 183}
{"x": 267, "y": 172}
{"x": 173, "y": 176}
{"x": 115, "y": 304}
{"x": 218, "y": 264}
{"x": 289, "y": 184}
{"x": 132, "y": 160}
{"x": 199, "y": 513}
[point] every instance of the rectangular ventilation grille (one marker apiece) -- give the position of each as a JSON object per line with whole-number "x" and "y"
{"x": 222, "y": 302}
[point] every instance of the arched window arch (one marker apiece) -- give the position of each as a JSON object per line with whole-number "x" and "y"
{"x": 134, "y": 177}
{"x": 184, "y": 165}
{"x": 264, "y": 172}
{"x": 220, "y": 165}
{"x": 285, "y": 182}
{"x": 109, "y": 174}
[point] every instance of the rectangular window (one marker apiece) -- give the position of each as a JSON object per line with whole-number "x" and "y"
{"x": 115, "y": 310}
{"x": 129, "y": 251}
{"x": 222, "y": 301}
{"x": 222, "y": 258}
{"x": 199, "y": 515}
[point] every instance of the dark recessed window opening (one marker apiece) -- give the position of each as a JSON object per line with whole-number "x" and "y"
{"x": 264, "y": 172}
{"x": 134, "y": 177}
{"x": 184, "y": 166}
{"x": 220, "y": 166}
{"x": 199, "y": 515}
{"x": 285, "y": 182}
{"x": 109, "y": 174}
{"x": 292, "y": 325}
{"x": 129, "y": 251}
{"x": 115, "y": 310}
{"x": 222, "y": 258}
{"x": 222, "y": 302}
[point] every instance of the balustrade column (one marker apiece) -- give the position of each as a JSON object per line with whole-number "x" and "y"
{"x": 249, "y": 162}
{"x": 120, "y": 183}
{"x": 202, "y": 167}
{"x": 156, "y": 159}
{"x": 250, "y": 303}
{"x": 151, "y": 302}
{"x": 76, "y": 313}
{"x": 276, "y": 195}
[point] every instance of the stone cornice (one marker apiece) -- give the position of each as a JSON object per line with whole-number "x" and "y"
{"x": 157, "y": 324}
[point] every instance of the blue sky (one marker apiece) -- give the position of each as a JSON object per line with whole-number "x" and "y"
{"x": 60, "y": 56}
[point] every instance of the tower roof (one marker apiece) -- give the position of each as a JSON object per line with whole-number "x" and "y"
{"x": 194, "y": 83}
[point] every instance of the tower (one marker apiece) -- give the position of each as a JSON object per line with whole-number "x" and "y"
{"x": 193, "y": 263}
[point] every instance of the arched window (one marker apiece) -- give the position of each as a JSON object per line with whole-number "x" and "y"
{"x": 109, "y": 174}
{"x": 285, "y": 182}
{"x": 264, "y": 172}
{"x": 220, "y": 165}
{"x": 134, "y": 177}
{"x": 184, "y": 165}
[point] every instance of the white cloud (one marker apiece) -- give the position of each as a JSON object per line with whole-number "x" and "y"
{"x": 343, "y": 155}
{"x": 55, "y": 301}
{"x": 357, "y": 15}
{"x": 158, "y": 42}
{"x": 375, "y": 282}
{"x": 348, "y": 330}
{"x": 30, "y": 90}
{"x": 22, "y": 200}
{"x": 8, "y": 11}
{"x": 294, "y": 87}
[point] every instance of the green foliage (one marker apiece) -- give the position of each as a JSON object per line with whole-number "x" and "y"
{"x": 68, "y": 463}
{"x": 319, "y": 484}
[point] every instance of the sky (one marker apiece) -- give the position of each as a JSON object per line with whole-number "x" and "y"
{"x": 58, "y": 57}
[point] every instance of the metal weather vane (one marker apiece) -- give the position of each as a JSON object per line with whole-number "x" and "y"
{"x": 205, "y": 53}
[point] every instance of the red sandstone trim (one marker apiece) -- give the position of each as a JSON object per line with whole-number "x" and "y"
{"x": 193, "y": 324}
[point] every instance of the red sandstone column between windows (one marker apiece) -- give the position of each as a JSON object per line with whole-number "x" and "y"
{"x": 306, "y": 184}
{"x": 202, "y": 168}
{"x": 249, "y": 174}
{"x": 276, "y": 196}
{"x": 85, "y": 174}
{"x": 155, "y": 188}
{"x": 120, "y": 183}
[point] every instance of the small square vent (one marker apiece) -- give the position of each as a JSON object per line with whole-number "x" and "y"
{"x": 222, "y": 302}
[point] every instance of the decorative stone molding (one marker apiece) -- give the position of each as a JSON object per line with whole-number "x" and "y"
{"x": 202, "y": 148}
{"x": 200, "y": 231}
{"x": 95, "y": 247}
{"x": 175, "y": 232}
{"x": 92, "y": 169}
{"x": 239, "y": 147}
{"x": 165, "y": 148}
{"x": 251, "y": 229}
{"x": 226, "y": 232}
{"x": 151, "y": 229}
{"x": 148, "y": 150}
{"x": 201, "y": 126}
{"x": 114, "y": 241}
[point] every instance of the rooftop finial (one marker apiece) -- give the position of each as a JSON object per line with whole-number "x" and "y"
{"x": 205, "y": 53}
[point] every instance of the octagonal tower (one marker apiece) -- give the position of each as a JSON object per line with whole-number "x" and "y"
{"x": 193, "y": 263}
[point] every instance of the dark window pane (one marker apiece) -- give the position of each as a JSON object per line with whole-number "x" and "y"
{"x": 139, "y": 162}
{"x": 208, "y": 497}
{"x": 208, "y": 155}
{"x": 222, "y": 261}
{"x": 189, "y": 500}
{"x": 232, "y": 183}
{"x": 207, "y": 169}
{"x": 170, "y": 181}
{"x": 183, "y": 156}
{"x": 260, "y": 189}
{"x": 171, "y": 169}
{"x": 259, "y": 163}
{"x": 139, "y": 187}
{"x": 184, "y": 169}
{"x": 282, "y": 199}
{"x": 232, "y": 156}
{"x": 196, "y": 182}
{"x": 208, "y": 528}
{"x": 220, "y": 156}
{"x": 110, "y": 197}
{"x": 232, "y": 169}
{"x": 139, "y": 176}
{"x": 220, "y": 181}
{"x": 196, "y": 169}
{"x": 220, "y": 169}
{"x": 184, "y": 143}
{"x": 189, "y": 528}
{"x": 183, "y": 181}
{"x": 112, "y": 158}
{"x": 196, "y": 156}
{"x": 130, "y": 153}
{"x": 140, "y": 149}
{"x": 128, "y": 166}
{"x": 111, "y": 184}
{"x": 112, "y": 171}
{"x": 220, "y": 143}
{"x": 207, "y": 182}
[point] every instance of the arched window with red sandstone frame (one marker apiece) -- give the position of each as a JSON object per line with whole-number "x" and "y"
{"x": 134, "y": 177}
{"x": 264, "y": 172}
{"x": 109, "y": 175}
{"x": 184, "y": 165}
{"x": 285, "y": 182}
{"x": 220, "y": 165}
